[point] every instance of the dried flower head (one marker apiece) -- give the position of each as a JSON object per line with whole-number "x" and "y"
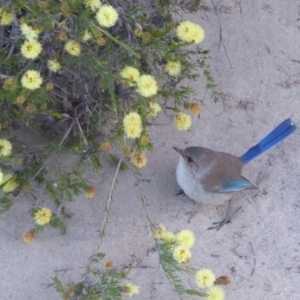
{"x": 43, "y": 4}
{"x": 190, "y": 32}
{"x": 43, "y": 216}
{"x": 126, "y": 151}
{"x": 138, "y": 32}
{"x": 31, "y": 108}
{"x": 107, "y": 16}
{"x": 73, "y": 48}
{"x": 173, "y": 68}
{"x": 49, "y": 86}
{"x": 5, "y": 147}
{"x": 62, "y": 36}
{"x": 182, "y": 121}
{"x": 182, "y": 254}
{"x": 215, "y": 293}
{"x": 53, "y": 65}
{"x": 146, "y": 37}
{"x": 29, "y": 32}
{"x": 222, "y": 280}
{"x": 130, "y": 289}
{"x": 145, "y": 140}
{"x": 154, "y": 109}
{"x": 205, "y": 278}
{"x": 195, "y": 108}
{"x": 31, "y": 49}
{"x": 9, "y": 183}
{"x": 130, "y": 75}
{"x": 147, "y": 86}
{"x": 132, "y": 123}
{"x": 160, "y": 232}
{"x": 90, "y": 192}
{"x": 9, "y": 84}
{"x": 185, "y": 238}
{"x": 31, "y": 80}
{"x": 101, "y": 41}
{"x": 105, "y": 146}
{"x": 93, "y": 5}
{"x": 29, "y": 237}
{"x": 139, "y": 159}
{"x": 5, "y": 17}
{"x": 21, "y": 99}
{"x": 108, "y": 265}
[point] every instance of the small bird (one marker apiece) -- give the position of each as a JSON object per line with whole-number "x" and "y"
{"x": 210, "y": 177}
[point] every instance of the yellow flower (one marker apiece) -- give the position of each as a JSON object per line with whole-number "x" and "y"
{"x": 90, "y": 192}
{"x": 43, "y": 216}
{"x": 31, "y": 80}
{"x": 73, "y": 48}
{"x": 5, "y": 17}
{"x": 105, "y": 146}
{"x": 130, "y": 289}
{"x": 53, "y": 65}
{"x": 132, "y": 125}
{"x": 139, "y": 159}
{"x": 138, "y": 32}
{"x": 205, "y": 278}
{"x": 160, "y": 232}
{"x": 29, "y": 237}
{"x": 107, "y": 16}
{"x": 182, "y": 254}
{"x": 29, "y": 32}
{"x": 169, "y": 237}
{"x": 131, "y": 74}
{"x": 9, "y": 84}
{"x": 31, "y": 49}
{"x": 154, "y": 109}
{"x": 147, "y": 86}
{"x": 93, "y": 5}
{"x": 185, "y": 238}
{"x": 9, "y": 183}
{"x": 190, "y": 32}
{"x": 86, "y": 36}
{"x": 21, "y": 99}
{"x": 1, "y": 177}
{"x": 173, "y": 67}
{"x": 215, "y": 293}
{"x": 5, "y": 147}
{"x": 182, "y": 121}
{"x": 195, "y": 108}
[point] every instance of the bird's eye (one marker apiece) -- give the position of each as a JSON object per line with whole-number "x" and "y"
{"x": 190, "y": 160}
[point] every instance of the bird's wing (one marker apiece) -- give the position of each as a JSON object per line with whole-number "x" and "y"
{"x": 236, "y": 185}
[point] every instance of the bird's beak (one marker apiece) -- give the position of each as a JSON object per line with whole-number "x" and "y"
{"x": 180, "y": 151}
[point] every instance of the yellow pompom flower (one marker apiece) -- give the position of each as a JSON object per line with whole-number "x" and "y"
{"x": 154, "y": 109}
{"x": 31, "y": 80}
{"x": 90, "y": 192}
{"x": 132, "y": 123}
{"x": 29, "y": 32}
{"x": 205, "y": 278}
{"x": 53, "y": 65}
{"x": 173, "y": 68}
{"x": 185, "y": 238}
{"x": 43, "y": 216}
{"x": 73, "y": 48}
{"x": 169, "y": 237}
{"x": 31, "y": 49}
{"x": 93, "y": 5}
{"x": 182, "y": 254}
{"x": 29, "y": 237}
{"x": 147, "y": 86}
{"x": 130, "y": 289}
{"x": 5, "y": 147}
{"x": 182, "y": 121}
{"x": 107, "y": 16}
{"x": 160, "y": 232}
{"x": 131, "y": 74}
{"x": 190, "y": 32}
{"x": 195, "y": 108}
{"x": 215, "y": 293}
{"x": 139, "y": 159}
{"x": 10, "y": 183}
{"x": 86, "y": 36}
{"x": 5, "y": 17}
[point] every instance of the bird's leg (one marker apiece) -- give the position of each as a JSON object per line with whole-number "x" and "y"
{"x": 226, "y": 220}
{"x": 181, "y": 192}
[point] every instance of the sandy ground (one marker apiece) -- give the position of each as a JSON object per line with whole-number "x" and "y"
{"x": 259, "y": 78}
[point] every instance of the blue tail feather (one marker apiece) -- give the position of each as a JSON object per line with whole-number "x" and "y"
{"x": 282, "y": 131}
